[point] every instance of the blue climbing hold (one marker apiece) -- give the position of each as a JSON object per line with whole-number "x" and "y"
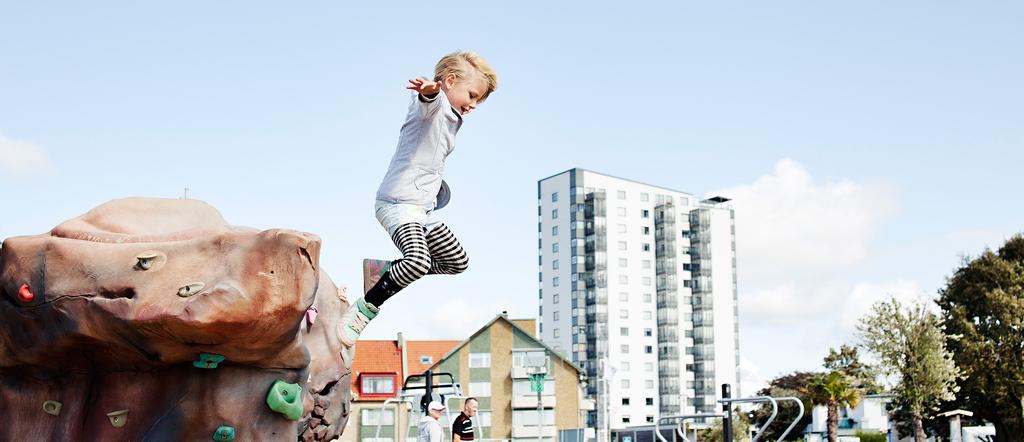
{"x": 208, "y": 360}
{"x": 224, "y": 433}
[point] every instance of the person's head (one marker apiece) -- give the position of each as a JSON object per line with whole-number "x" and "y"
{"x": 434, "y": 409}
{"x": 470, "y": 406}
{"x": 466, "y": 79}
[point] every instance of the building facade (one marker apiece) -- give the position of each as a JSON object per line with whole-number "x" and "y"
{"x": 378, "y": 373}
{"x": 638, "y": 286}
{"x": 494, "y": 365}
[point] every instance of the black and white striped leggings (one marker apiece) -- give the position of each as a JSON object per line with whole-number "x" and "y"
{"x": 423, "y": 253}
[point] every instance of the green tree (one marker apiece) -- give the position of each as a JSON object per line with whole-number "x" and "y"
{"x": 910, "y": 346}
{"x": 833, "y": 390}
{"x": 847, "y": 360}
{"x": 740, "y": 428}
{"x": 983, "y": 312}
{"x": 786, "y": 385}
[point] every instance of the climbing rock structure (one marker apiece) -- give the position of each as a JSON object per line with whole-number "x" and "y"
{"x": 155, "y": 320}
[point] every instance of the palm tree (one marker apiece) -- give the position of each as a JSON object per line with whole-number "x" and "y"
{"x": 832, "y": 390}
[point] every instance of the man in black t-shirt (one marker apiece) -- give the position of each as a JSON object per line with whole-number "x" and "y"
{"x": 462, "y": 429}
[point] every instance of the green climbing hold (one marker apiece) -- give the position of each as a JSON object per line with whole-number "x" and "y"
{"x": 224, "y": 433}
{"x": 208, "y": 360}
{"x": 284, "y": 398}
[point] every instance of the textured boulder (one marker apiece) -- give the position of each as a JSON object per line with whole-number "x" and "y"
{"x": 153, "y": 319}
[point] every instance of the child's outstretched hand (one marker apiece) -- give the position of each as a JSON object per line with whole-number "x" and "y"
{"x": 425, "y": 86}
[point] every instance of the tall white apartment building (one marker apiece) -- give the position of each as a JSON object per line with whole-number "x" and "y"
{"x": 638, "y": 286}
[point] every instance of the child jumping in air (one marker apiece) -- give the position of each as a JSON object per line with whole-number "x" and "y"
{"x": 413, "y": 189}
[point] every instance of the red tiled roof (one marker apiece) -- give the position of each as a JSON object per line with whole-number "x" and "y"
{"x": 435, "y": 349}
{"x": 377, "y": 357}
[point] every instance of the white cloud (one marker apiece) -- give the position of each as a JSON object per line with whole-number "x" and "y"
{"x": 751, "y": 379}
{"x": 22, "y": 158}
{"x": 800, "y": 245}
{"x": 786, "y": 223}
{"x": 456, "y": 317}
{"x": 864, "y": 295}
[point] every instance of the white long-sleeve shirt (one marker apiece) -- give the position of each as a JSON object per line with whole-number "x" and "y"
{"x": 415, "y": 175}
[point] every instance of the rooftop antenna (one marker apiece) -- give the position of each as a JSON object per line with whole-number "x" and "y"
{"x": 185, "y": 195}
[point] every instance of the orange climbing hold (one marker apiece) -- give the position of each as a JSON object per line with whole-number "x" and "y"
{"x": 24, "y": 294}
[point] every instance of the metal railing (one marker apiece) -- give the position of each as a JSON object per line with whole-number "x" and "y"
{"x": 678, "y": 420}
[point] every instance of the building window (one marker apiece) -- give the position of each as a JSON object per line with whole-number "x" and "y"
{"x": 623, "y": 296}
{"x": 621, "y": 194}
{"x": 623, "y": 279}
{"x": 554, "y": 197}
{"x": 624, "y": 348}
{"x": 554, "y": 247}
{"x": 621, "y": 211}
{"x": 554, "y": 230}
{"x": 645, "y": 197}
{"x": 479, "y": 360}
{"x": 623, "y": 262}
{"x": 376, "y": 416}
{"x": 426, "y": 359}
{"x": 554, "y": 333}
{"x": 554, "y": 282}
{"x": 625, "y": 419}
{"x": 649, "y": 401}
{"x": 482, "y": 418}
{"x": 529, "y": 418}
{"x": 554, "y": 214}
{"x": 645, "y": 213}
{"x": 480, "y": 389}
{"x": 625, "y": 383}
{"x": 554, "y": 264}
{"x": 622, "y": 245}
{"x": 648, "y": 366}
{"x": 648, "y": 349}
{"x": 622, "y": 228}
{"x": 647, "y": 247}
{"x": 554, "y": 316}
{"x": 687, "y": 283}
{"x": 647, "y": 230}
{"x": 376, "y": 384}
{"x": 647, "y": 280}
{"x": 625, "y": 366}
{"x": 623, "y": 331}
{"x": 649, "y": 384}
{"x": 647, "y": 315}
{"x": 625, "y": 401}
{"x": 534, "y": 358}
{"x": 554, "y": 298}
{"x": 647, "y": 297}
{"x": 647, "y": 332}
{"x": 650, "y": 419}
{"x": 624, "y": 314}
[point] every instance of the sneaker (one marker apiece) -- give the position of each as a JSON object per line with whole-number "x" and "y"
{"x": 373, "y": 269}
{"x": 354, "y": 321}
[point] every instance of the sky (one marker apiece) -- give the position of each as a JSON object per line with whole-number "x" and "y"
{"x": 868, "y": 146}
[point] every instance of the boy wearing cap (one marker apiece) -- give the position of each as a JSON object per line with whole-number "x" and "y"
{"x": 429, "y": 427}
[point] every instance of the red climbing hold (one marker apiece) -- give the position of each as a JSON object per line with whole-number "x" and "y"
{"x": 24, "y": 294}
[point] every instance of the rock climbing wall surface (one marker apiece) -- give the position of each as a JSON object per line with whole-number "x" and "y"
{"x": 153, "y": 319}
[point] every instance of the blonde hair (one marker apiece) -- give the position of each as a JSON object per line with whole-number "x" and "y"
{"x": 460, "y": 63}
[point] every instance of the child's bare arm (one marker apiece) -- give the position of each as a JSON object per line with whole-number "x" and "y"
{"x": 424, "y": 86}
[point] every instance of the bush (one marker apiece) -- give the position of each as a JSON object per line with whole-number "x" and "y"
{"x": 872, "y": 437}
